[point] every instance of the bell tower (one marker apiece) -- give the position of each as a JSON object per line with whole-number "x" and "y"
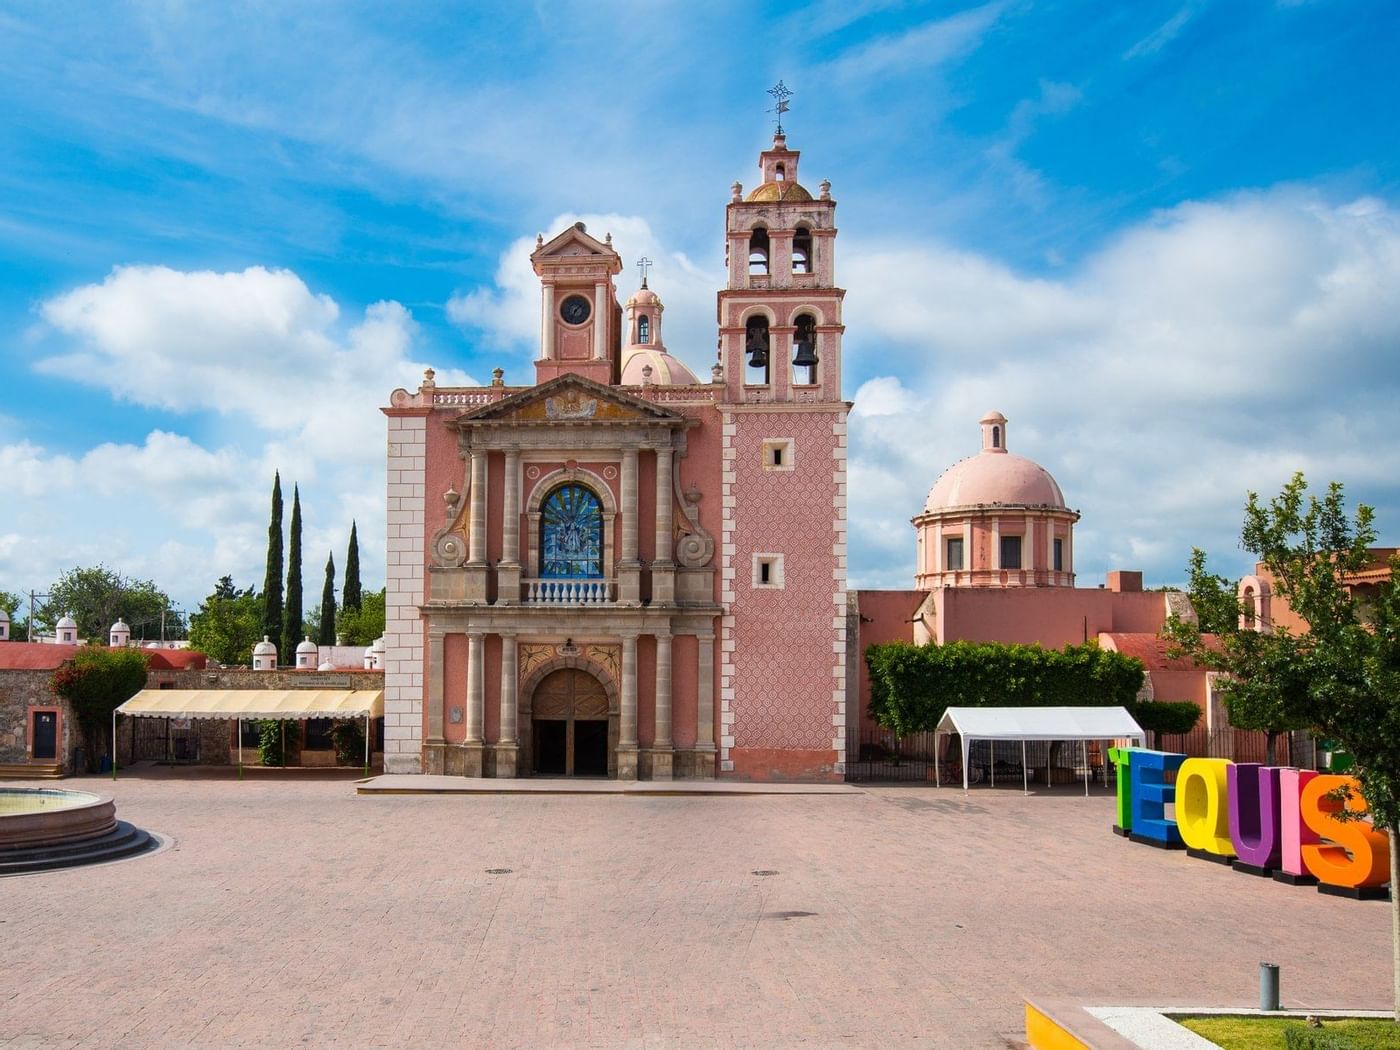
{"x": 580, "y": 320}
{"x": 783, "y": 536}
{"x": 780, "y": 310}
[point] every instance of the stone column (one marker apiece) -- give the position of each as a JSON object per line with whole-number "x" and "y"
{"x": 547, "y": 326}
{"x": 476, "y": 530}
{"x": 508, "y": 748}
{"x": 995, "y": 552}
{"x": 627, "y": 728}
{"x": 629, "y": 568}
{"x": 508, "y": 571}
{"x": 662, "y": 757}
{"x": 436, "y": 700}
{"x": 476, "y": 702}
{"x": 600, "y": 321}
{"x": 663, "y": 569}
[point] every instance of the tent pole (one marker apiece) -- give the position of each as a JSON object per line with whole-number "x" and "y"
{"x": 240, "y": 747}
{"x": 1025, "y": 776}
{"x": 114, "y": 744}
{"x": 963, "y": 741}
{"x": 937, "y": 779}
{"x": 992, "y": 761}
{"x": 282, "y": 725}
{"x": 1085, "y": 745}
{"x": 366, "y": 743}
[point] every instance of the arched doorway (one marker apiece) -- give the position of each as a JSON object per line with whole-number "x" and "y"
{"x": 569, "y": 725}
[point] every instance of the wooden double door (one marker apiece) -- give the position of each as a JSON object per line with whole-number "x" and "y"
{"x": 570, "y": 725}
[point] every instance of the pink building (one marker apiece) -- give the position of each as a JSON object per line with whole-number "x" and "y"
{"x": 621, "y": 569}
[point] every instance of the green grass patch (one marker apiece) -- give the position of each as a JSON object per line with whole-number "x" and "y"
{"x": 1273, "y": 1033}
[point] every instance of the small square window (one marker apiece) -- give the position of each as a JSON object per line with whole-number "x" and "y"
{"x": 768, "y": 571}
{"x": 777, "y": 454}
{"x": 1011, "y": 552}
{"x": 1059, "y": 555}
{"x": 954, "y": 561}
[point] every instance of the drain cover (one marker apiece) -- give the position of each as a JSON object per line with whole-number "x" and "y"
{"x": 763, "y": 871}
{"x": 498, "y": 871}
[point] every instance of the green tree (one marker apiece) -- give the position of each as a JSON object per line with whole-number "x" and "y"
{"x": 272, "y": 579}
{"x": 292, "y": 627}
{"x": 1165, "y": 716}
{"x": 350, "y": 594}
{"x": 363, "y": 625}
{"x": 228, "y": 624}
{"x": 95, "y": 683}
{"x": 1260, "y": 683}
{"x": 1346, "y": 672}
{"x": 326, "y": 624}
{"x": 97, "y": 597}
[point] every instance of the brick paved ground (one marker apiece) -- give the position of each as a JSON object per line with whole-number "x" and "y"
{"x": 295, "y": 913}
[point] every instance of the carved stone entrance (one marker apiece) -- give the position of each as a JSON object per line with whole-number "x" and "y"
{"x": 572, "y": 731}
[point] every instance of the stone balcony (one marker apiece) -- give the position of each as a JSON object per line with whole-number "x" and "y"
{"x": 568, "y": 592}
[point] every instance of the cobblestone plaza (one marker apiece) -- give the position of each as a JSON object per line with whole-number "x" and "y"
{"x": 293, "y": 912}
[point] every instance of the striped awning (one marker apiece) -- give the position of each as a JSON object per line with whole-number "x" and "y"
{"x": 255, "y": 703}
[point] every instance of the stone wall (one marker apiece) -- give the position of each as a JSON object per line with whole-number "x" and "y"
{"x": 20, "y": 692}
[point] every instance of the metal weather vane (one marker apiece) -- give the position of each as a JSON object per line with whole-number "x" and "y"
{"x": 780, "y": 94}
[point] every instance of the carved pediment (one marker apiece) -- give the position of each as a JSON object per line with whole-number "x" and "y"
{"x": 570, "y": 399}
{"x": 573, "y": 246}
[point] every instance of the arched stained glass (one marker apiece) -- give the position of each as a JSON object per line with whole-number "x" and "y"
{"x": 571, "y": 534}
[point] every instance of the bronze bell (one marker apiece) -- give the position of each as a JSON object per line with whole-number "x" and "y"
{"x": 805, "y": 356}
{"x": 757, "y": 349}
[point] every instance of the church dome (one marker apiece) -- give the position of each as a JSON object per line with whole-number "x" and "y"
{"x": 643, "y": 296}
{"x": 778, "y": 190}
{"x": 994, "y": 477}
{"x": 665, "y": 369}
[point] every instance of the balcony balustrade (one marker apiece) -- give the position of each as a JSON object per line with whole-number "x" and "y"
{"x": 569, "y": 592}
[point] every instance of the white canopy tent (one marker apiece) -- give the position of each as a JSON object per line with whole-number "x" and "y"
{"x": 282, "y": 705}
{"x": 1035, "y": 723}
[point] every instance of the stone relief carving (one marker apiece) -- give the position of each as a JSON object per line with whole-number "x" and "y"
{"x": 531, "y": 655}
{"x": 449, "y": 543}
{"x": 570, "y": 405}
{"x": 694, "y": 546}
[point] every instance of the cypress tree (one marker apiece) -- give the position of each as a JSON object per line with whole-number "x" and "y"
{"x": 292, "y": 626}
{"x": 327, "y": 633}
{"x": 272, "y": 581}
{"x": 350, "y": 594}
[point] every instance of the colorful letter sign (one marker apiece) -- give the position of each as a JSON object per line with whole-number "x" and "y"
{"x": 1272, "y": 819}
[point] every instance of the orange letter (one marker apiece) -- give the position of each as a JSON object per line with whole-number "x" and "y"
{"x": 1368, "y": 862}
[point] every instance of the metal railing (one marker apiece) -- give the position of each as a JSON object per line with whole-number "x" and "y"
{"x": 569, "y": 592}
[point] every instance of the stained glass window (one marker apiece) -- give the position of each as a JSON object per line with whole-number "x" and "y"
{"x": 571, "y": 534}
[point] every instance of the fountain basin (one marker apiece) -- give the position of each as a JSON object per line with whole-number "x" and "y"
{"x": 35, "y": 818}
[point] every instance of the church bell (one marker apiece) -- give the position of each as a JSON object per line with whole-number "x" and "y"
{"x": 805, "y": 357}
{"x": 757, "y": 349}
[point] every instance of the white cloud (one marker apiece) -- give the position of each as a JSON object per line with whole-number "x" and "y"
{"x": 507, "y": 313}
{"x": 1212, "y": 350}
{"x": 1165, "y": 33}
{"x": 920, "y": 47}
{"x": 301, "y": 390}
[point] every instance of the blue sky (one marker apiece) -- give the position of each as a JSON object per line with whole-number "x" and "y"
{"x": 1162, "y": 238}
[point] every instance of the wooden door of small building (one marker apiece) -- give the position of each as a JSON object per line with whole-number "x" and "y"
{"x": 572, "y": 729}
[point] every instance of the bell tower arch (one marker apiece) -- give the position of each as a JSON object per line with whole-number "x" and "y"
{"x": 780, "y": 310}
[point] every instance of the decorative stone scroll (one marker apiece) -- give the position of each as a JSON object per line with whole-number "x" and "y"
{"x": 449, "y": 543}
{"x": 694, "y": 546}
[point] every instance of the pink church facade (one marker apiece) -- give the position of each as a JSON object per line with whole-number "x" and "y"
{"x": 622, "y": 569}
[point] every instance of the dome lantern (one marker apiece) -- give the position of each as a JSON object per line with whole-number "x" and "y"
{"x": 265, "y": 655}
{"x": 119, "y": 637}
{"x": 66, "y": 631}
{"x": 306, "y": 655}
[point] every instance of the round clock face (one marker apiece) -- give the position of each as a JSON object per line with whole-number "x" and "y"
{"x": 575, "y": 309}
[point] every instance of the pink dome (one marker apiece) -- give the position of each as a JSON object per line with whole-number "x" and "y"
{"x": 995, "y": 477}
{"x": 643, "y": 296}
{"x": 665, "y": 369}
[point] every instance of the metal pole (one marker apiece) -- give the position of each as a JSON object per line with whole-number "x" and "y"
{"x": 240, "y": 747}
{"x": 937, "y": 779}
{"x": 366, "y": 743}
{"x": 1025, "y": 775}
{"x": 283, "y": 726}
{"x": 1268, "y": 987}
{"x": 114, "y": 743}
{"x": 1085, "y": 745}
{"x": 963, "y": 740}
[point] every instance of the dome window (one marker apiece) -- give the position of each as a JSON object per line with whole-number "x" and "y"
{"x": 643, "y": 329}
{"x": 758, "y": 253}
{"x": 780, "y": 173}
{"x": 802, "y": 250}
{"x": 954, "y": 560}
{"x": 1059, "y": 555}
{"x": 996, "y": 437}
{"x": 1010, "y": 552}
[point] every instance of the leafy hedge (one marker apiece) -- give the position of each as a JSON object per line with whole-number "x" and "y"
{"x": 912, "y": 685}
